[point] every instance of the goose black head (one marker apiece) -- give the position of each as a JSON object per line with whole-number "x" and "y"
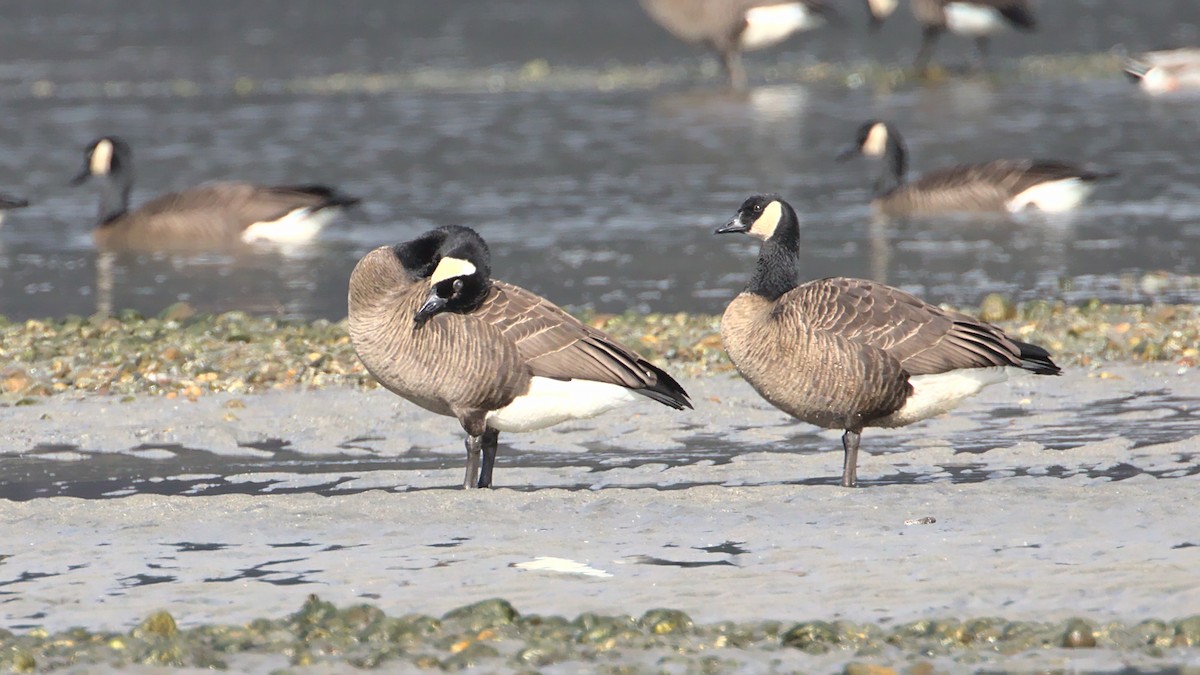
{"x": 105, "y": 156}
{"x": 461, "y": 276}
{"x": 871, "y": 140}
{"x": 759, "y": 216}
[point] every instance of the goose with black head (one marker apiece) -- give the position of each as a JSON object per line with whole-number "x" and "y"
{"x": 430, "y": 324}
{"x": 1003, "y": 185}
{"x": 210, "y": 216}
{"x": 848, "y": 354}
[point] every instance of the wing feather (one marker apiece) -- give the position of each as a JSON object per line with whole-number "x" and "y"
{"x": 555, "y": 344}
{"x": 924, "y": 338}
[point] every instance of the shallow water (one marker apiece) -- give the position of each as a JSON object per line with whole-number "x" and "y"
{"x": 594, "y": 185}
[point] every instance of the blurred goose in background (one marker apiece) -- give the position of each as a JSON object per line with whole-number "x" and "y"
{"x": 730, "y": 27}
{"x": 213, "y": 215}
{"x": 1165, "y": 71}
{"x": 846, "y": 353}
{"x": 7, "y": 203}
{"x": 979, "y": 19}
{"x": 1002, "y": 185}
{"x": 431, "y": 325}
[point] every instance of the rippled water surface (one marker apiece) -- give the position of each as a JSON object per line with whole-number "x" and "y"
{"x": 598, "y": 183}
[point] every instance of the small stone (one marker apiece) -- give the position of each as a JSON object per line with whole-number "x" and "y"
{"x": 920, "y": 668}
{"x": 484, "y": 614}
{"x": 470, "y": 657}
{"x": 996, "y": 307}
{"x": 23, "y": 662}
{"x": 158, "y": 624}
{"x": 814, "y": 637}
{"x": 1079, "y": 634}
{"x": 1187, "y": 632}
{"x": 856, "y": 668}
{"x": 15, "y": 380}
{"x": 663, "y": 621}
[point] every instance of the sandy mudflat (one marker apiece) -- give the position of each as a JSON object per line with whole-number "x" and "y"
{"x": 1024, "y": 527}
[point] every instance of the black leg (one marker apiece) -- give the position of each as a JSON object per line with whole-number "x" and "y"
{"x": 490, "y": 440}
{"x": 472, "y": 477}
{"x": 983, "y": 44}
{"x": 929, "y": 37}
{"x": 732, "y": 60}
{"x": 850, "y": 463}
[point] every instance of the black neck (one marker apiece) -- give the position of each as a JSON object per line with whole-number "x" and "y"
{"x": 777, "y": 271}
{"x": 114, "y": 197}
{"x": 895, "y": 165}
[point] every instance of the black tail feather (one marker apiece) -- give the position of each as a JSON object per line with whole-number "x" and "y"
{"x": 7, "y": 202}
{"x": 665, "y": 389}
{"x": 329, "y": 196}
{"x": 1037, "y": 360}
{"x": 1019, "y": 17}
{"x": 1099, "y": 174}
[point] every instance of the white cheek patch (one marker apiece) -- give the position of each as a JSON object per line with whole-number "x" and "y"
{"x": 101, "y": 161}
{"x": 882, "y": 9}
{"x": 449, "y": 268}
{"x": 876, "y": 143}
{"x": 765, "y": 226}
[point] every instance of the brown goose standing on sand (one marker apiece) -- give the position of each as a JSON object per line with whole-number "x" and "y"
{"x": 207, "y": 216}
{"x": 1010, "y": 185}
{"x": 429, "y": 322}
{"x": 730, "y": 27}
{"x": 979, "y": 19}
{"x": 7, "y": 203}
{"x": 847, "y": 353}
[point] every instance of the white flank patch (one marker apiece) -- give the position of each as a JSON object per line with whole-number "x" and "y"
{"x": 563, "y": 565}
{"x": 296, "y": 227}
{"x": 1167, "y": 79}
{"x": 772, "y": 24}
{"x": 551, "y": 401}
{"x": 448, "y": 268}
{"x": 1158, "y": 81}
{"x": 935, "y": 394}
{"x": 966, "y": 18}
{"x": 1055, "y": 196}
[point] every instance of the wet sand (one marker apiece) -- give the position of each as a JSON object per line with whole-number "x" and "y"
{"x": 1077, "y": 498}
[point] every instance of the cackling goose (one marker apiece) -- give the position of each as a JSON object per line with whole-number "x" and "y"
{"x": 207, "y": 216}
{"x": 730, "y": 27}
{"x": 431, "y": 325}
{"x": 979, "y": 19}
{"x": 1002, "y": 185}
{"x": 848, "y": 353}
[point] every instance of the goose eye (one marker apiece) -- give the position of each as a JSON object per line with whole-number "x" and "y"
{"x": 458, "y": 284}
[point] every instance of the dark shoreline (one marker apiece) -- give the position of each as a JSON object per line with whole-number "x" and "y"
{"x": 493, "y": 634}
{"x": 179, "y": 353}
